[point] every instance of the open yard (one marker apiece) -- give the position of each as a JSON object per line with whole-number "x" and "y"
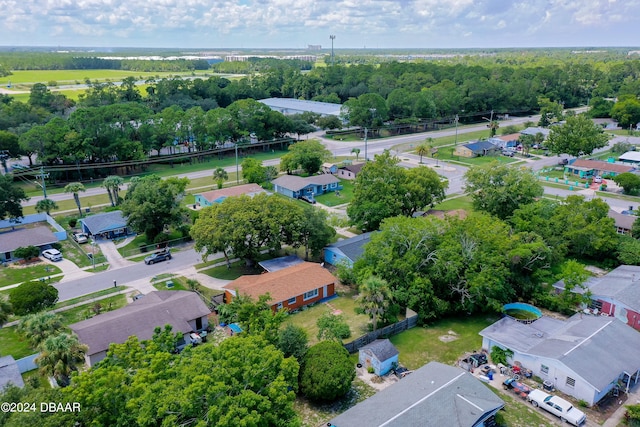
{"x": 463, "y": 202}
{"x": 444, "y": 341}
{"x": 16, "y": 273}
{"x": 344, "y": 304}
{"x": 86, "y": 311}
{"x": 340, "y": 197}
{"x": 14, "y": 344}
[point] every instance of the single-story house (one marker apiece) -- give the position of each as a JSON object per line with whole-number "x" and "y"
{"x": 585, "y": 356}
{"x": 590, "y": 168}
{"x": 615, "y": 294}
{"x": 289, "y": 288}
{"x": 533, "y": 131}
{"x": 475, "y": 149}
{"x": 435, "y": 395}
{"x": 12, "y": 239}
{"x": 296, "y": 186}
{"x": 624, "y": 222}
{"x": 280, "y": 263}
{"x": 9, "y": 373}
{"x": 505, "y": 141}
{"x": 329, "y": 168}
{"x": 183, "y": 310}
{"x": 380, "y": 355}
{"x": 350, "y": 171}
{"x": 289, "y": 106}
{"x": 209, "y": 198}
{"x": 106, "y": 225}
{"x": 347, "y": 250}
{"x": 631, "y": 157}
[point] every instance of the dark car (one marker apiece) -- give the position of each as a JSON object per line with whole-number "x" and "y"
{"x": 157, "y": 257}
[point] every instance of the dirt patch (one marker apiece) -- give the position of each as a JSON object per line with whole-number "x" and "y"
{"x": 448, "y": 337}
{"x": 374, "y": 380}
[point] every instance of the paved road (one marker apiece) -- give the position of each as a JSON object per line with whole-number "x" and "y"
{"x": 99, "y": 281}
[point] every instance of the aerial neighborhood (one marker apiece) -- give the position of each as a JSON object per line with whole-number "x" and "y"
{"x": 320, "y": 240}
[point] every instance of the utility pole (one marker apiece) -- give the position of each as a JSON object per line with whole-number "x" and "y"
{"x": 332, "y": 37}
{"x": 366, "y": 159}
{"x": 42, "y": 176}
{"x": 237, "y": 173}
{"x": 456, "y": 141}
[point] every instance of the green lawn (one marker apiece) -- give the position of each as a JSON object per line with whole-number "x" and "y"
{"x": 338, "y": 198}
{"x": 463, "y": 202}
{"x": 88, "y": 297}
{"x": 14, "y": 344}
{"x": 238, "y": 268}
{"x": 447, "y": 154}
{"x": 16, "y": 273}
{"x": 19, "y": 77}
{"x": 306, "y": 319}
{"x": 421, "y": 345}
{"x": 85, "y": 311}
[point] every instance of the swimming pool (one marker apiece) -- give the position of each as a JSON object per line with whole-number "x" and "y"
{"x": 522, "y": 312}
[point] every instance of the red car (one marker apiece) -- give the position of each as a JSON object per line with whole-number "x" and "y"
{"x": 518, "y": 388}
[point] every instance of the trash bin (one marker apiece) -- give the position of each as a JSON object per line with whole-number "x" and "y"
{"x": 490, "y": 375}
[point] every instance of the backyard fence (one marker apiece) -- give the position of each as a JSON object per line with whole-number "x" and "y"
{"x": 409, "y": 322}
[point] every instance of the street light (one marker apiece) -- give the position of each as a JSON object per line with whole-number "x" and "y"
{"x": 237, "y": 173}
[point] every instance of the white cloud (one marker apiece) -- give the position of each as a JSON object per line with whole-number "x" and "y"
{"x": 291, "y": 23}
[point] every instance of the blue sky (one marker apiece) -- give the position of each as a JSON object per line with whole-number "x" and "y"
{"x": 296, "y": 23}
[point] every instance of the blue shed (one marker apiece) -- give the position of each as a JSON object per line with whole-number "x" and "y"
{"x": 381, "y": 355}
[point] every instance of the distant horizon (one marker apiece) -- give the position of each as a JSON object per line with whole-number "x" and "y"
{"x": 294, "y": 24}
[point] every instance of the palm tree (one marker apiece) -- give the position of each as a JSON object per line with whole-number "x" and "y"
{"x": 493, "y": 127}
{"x": 75, "y": 188}
{"x": 46, "y": 205}
{"x": 5, "y": 310}
{"x": 423, "y": 150}
{"x": 60, "y": 355}
{"x": 374, "y": 298}
{"x": 220, "y": 175}
{"x": 39, "y": 326}
{"x": 270, "y": 172}
{"x": 355, "y": 151}
{"x": 113, "y": 183}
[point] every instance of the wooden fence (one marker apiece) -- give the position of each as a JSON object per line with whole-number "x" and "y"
{"x": 409, "y": 322}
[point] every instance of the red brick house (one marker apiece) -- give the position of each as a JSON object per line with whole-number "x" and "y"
{"x": 289, "y": 288}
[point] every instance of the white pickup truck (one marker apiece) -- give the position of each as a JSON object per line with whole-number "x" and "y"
{"x": 557, "y": 406}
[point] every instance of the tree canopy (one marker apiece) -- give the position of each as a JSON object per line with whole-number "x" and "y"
{"x": 578, "y": 136}
{"x": 326, "y": 372}
{"x": 307, "y": 155}
{"x": 152, "y": 203}
{"x": 31, "y": 297}
{"x": 11, "y": 198}
{"x": 499, "y": 189}
{"x": 384, "y": 189}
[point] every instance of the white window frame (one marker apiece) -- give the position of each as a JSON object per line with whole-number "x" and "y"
{"x": 279, "y": 306}
{"x": 310, "y": 295}
{"x": 292, "y": 300}
{"x": 544, "y": 369}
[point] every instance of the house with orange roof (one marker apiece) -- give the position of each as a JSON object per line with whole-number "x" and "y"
{"x": 291, "y": 288}
{"x": 210, "y": 198}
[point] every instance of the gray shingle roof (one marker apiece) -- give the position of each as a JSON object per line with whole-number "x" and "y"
{"x": 299, "y": 105}
{"x": 11, "y": 240}
{"x": 297, "y": 183}
{"x": 435, "y": 395}
{"x": 9, "y": 372}
{"x": 381, "y": 349}
{"x": 140, "y": 318}
{"x": 352, "y": 248}
{"x": 276, "y": 264}
{"x": 354, "y": 168}
{"x": 597, "y": 348}
{"x": 104, "y": 222}
{"x": 621, "y": 220}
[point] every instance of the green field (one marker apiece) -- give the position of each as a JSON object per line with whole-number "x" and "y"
{"x": 16, "y": 273}
{"x": 333, "y": 199}
{"x": 14, "y": 344}
{"x": 65, "y": 77}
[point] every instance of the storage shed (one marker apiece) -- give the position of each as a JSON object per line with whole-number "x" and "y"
{"x": 381, "y": 355}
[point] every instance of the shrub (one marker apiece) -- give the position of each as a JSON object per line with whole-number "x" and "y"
{"x": 370, "y": 370}
{"x": 332, "y": 327}
{"x": 326, "y": 372}
{"x": 499, "y": 355}
{"x": 73, "y": 222}
{"x": 32, "y": 297}
{"x": 27, "y": 252}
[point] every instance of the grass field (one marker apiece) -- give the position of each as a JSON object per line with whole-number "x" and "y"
{"x": 333, "y": 199}
{"x": 463, "y": 202}
{"x": 66, "y": 77}
{"x": 13, "y": 273}
{"x": 238, "y": 268}
{"x": 306, "y": 319}
{"x": 14, "y": 344}
{"x": 85, "y": 311}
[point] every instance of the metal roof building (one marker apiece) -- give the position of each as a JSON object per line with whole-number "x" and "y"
{"x": 288, "y": 106}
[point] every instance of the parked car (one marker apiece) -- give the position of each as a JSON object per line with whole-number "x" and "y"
{"x": 563, "y": 162}
{"x": 557, "y": 406}
{"x": 597, "y": 179}
{"x": 52, "y": 254}
{"x": 158, "y": 257}
{"x": 308, "y": 199}
{"x": 80, "y": 237}
{"x": 507, "y": 153}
